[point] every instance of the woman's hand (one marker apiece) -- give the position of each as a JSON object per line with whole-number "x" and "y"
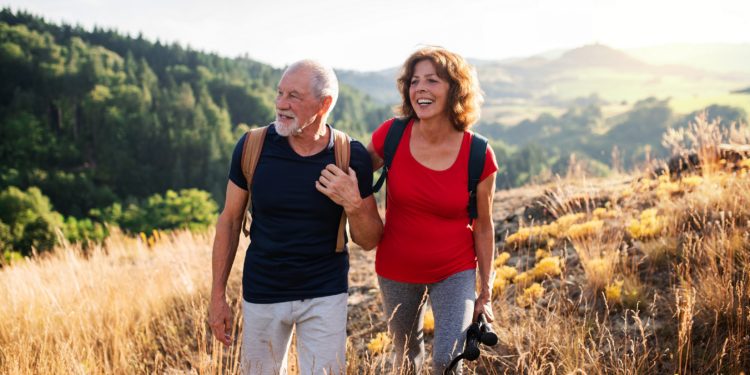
{"x": 483, "y": 305}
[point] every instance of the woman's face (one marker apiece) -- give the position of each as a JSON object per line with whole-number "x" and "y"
{"x": 428, "y": 92}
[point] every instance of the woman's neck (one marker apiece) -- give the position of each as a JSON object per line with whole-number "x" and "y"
{"x": 434, "y": 130}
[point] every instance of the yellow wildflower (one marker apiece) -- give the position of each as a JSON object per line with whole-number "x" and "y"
{"x": 549, "y": 266}
{"x": 522, "y": 279}
{"x": 541, "y": 253}
{"x": 613, "y": 292}
{"x": 379, "y": 343}
{"x": 586, "y": 229}
{"x": 499, "y": 286}
{"x": 506, "y": 273}
{"x": 501, "y": 259}
{"x": 530, "y": 295}
{"x": 692, "y": 181}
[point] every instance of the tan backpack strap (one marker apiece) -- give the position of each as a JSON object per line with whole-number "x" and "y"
{"x": 250, "y": 155}
{"x": 342, "y": 154}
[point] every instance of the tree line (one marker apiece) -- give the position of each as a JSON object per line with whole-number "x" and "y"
{"x": 95, "y": 118}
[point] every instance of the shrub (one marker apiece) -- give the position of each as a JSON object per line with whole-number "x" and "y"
{"x": 28, "y": 220}
{"x": 187, "y": 209}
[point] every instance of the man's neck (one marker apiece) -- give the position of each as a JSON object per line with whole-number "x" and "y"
{"x": 310, "y": 140}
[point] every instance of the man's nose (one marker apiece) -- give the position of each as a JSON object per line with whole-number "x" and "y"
{"x": 281, "y": 102}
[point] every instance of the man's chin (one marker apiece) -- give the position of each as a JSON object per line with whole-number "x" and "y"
{"x": 285, "y": 130}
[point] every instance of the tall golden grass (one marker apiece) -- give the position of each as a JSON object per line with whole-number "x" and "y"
{"x": 639, "y": 276}
{"x": 123, "y": 308}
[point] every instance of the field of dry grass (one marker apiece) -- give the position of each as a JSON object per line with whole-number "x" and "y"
{"x": 631, "y": 275}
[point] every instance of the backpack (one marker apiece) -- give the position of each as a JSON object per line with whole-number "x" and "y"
{"x": 251, "y": 153}
{"x": 476, "y": 161}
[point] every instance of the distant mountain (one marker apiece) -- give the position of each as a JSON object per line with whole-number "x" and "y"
{"x": 379, "y": 85}
{"x": 598, "y": 55}
{"x": 556, "y": 77}
{"x": 716, "y": 57}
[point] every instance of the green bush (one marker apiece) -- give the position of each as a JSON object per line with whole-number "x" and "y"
{"x": 187, "y": 209}
{"x": 84, "y": 231}
{"x": 28, "y": 221}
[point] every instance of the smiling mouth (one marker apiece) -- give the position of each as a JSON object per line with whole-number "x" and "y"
{"x": 424, "y": 102}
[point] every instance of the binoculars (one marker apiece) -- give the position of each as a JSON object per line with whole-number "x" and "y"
{"x": 480, "y": 332}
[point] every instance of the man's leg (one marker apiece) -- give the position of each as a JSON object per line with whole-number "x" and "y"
{"x": 321, "y": 334}
{"x": 404, "y": 308}
{"x": 266, "y": 332}
{"x": 453, "y": 306}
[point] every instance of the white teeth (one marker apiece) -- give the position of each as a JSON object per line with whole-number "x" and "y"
{"x": 424, "y": 101}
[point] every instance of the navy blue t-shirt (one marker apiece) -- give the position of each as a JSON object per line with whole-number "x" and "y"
{"x": 292, "y": 253}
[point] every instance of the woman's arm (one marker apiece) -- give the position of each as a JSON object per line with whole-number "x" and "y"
{"x": 484, "y": 245}
{"x": 377, "y": 161}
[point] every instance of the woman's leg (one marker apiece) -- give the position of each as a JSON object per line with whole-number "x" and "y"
{"x": 452, "y": 303}
{"x": 404, "y": 308}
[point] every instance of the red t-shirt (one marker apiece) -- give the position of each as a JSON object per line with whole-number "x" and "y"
{"x": 426, "y": 236}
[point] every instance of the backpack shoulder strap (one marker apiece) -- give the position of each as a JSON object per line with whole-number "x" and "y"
{"x": 250, "y": 155}
{"x": 342, "y": 155}
{"x": 341, "y": 149}
{"x": 392, "y": 139}
{"x": 477, "y": 154}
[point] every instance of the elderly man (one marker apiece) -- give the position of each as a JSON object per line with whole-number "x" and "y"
{"x": 293, "y": 275}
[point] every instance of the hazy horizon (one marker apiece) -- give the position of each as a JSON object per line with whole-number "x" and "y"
{"x": 368, "y": 36}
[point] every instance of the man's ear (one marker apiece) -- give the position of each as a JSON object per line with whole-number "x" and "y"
{"x": 325, "y": 104}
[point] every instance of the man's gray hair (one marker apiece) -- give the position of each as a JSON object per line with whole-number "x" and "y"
{"x": 324, "y": 81}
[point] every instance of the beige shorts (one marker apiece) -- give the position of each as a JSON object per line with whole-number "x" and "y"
{"x": 321, "y": 335}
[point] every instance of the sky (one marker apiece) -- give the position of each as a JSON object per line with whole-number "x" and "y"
{"x": 377, "y": 34}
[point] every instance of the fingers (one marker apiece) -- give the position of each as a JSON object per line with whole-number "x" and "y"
{"x": 334, "y": 170}
{"x": 322, "y": 188}
{"x": 221, "y": 332}
{"x": 220, "y": 321}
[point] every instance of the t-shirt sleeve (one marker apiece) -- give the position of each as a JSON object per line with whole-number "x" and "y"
{"x": 362, "y": 164}
{"x": 235, "y": 168}
{"x": 490, "y": 164}
{"x": 378, "y": 136}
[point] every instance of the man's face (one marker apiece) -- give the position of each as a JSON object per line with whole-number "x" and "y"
{"x": 296, "y": 105}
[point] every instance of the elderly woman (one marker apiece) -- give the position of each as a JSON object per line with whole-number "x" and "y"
{"x": 427, "y": 248}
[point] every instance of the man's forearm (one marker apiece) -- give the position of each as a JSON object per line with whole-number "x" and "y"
{"x": 224, "y": 251}
{"x": 365, "y": 225}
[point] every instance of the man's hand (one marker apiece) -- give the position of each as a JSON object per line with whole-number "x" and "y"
{"x": 220, "y": 320}
{"x": 340, "y": 186}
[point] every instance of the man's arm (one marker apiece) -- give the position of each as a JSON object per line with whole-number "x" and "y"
{"x": 365, "y": 225}
{"x": 228, "y": 229}
{"x": 484, "y": 245}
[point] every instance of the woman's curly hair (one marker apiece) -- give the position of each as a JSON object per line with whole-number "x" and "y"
{"x": 464, "y": 96}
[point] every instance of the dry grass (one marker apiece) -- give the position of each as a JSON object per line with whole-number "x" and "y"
{"x": 639, "y": 276}
{"x": 126, "y": 308}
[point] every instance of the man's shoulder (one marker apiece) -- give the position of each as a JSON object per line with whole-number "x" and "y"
{"x": 358, "y": 149}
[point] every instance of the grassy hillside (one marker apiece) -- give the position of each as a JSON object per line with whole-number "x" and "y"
{"x": 630, "y": 275}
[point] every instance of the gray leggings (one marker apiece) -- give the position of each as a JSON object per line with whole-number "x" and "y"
{"x": 452, "y": 303}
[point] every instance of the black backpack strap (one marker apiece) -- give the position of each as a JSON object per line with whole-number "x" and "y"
{"x": 392, "y": 139}
{"x": 477, "y": 154}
